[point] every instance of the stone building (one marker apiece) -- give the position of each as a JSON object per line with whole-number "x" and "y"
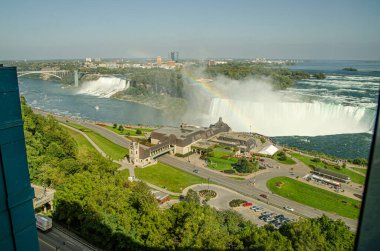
{"x": 173, "y": 140}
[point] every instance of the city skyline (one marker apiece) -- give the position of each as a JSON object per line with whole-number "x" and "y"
{"x": 215, "y": 29}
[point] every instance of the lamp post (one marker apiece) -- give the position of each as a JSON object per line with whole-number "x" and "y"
{"x": 208, "y": 184}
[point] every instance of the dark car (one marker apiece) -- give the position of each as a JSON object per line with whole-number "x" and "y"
{"x": 264, "y": 196}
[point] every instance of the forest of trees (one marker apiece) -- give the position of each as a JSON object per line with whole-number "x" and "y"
{"x": 105, "y": 208}
{"x": 282, "y": 77}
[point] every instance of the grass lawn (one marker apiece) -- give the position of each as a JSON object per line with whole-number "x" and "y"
{"x": 363, "y": 171}
{"x": 357, "y": 178}
{"x": 307, "y": 160}
{"x": 113, "y": 150}
{"x": 315, "y": 197}
{"x": 128, "y": 131}
{"x": 218, "y": 163}
{"x": 219, "y": 152}
{"x": 221, "y": 164}
{"x": 84, "y": 144}
{"x": 288, "y": 160}
{"x": 167, "y": 177}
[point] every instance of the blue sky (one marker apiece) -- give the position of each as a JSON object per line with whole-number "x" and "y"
{"x": 197, "y": 29}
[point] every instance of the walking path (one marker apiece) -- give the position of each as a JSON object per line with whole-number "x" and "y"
{"x": 124, "y": 162}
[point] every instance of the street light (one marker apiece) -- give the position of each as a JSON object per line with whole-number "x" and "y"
{"x": 208, "y": 183}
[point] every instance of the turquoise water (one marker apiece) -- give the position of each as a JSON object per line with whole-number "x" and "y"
{"x": 358, "y": 88}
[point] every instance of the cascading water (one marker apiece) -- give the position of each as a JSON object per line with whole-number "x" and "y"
{"x": 288, "y": 119}
{"x": 104, "y": 87}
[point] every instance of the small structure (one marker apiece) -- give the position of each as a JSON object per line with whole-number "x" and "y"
{"x": 269, "y": 150}
{"x": 243, "y": 142}
{"x": 161, "y": 197}
{"x": 326, "y": 181}
{"x": 331, "y": 175}
{"x": 43, "y": 196}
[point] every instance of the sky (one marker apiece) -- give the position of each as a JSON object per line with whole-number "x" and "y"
{"x": 309, "y": 29}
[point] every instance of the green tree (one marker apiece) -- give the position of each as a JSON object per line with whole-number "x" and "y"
{"x": 243, "y": 165}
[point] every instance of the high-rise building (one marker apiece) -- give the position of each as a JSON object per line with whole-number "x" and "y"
{"x": 158, "y": 60}
{"x": 174, "y": 55}
{"x": 18, "y": 223}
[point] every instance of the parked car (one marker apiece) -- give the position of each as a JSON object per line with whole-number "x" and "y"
{"x": 196, "y": 171}
{"x": 264, "y": 196}
{"x": 280, "y": 216}
{"x": 247, "y": 204}
{"x": 268, "y": 219}
{"x": 289, "y": 208}
{"x": 259, "y": 209}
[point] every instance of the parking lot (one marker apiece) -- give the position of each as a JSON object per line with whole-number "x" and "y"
{"x": 271, "y": 214}
{"x": 224, "y": 196}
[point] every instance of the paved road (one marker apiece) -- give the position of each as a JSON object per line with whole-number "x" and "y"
{"x": 59, "y": 239}
{"x": 244, "y": 187}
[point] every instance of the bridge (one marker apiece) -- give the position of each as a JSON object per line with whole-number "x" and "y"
{"x": 42, "y": 196}
{"x": 160, "y": 149}
{"x": 55, "y": 73}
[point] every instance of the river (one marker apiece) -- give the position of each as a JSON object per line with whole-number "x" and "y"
{"x": 334, "y": 115}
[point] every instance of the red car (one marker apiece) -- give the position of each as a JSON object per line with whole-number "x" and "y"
{"x": 247, "y": 204}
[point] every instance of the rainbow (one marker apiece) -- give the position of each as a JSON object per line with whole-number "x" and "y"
{"x": 207, "y": 86}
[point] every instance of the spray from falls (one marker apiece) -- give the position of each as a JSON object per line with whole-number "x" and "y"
{"x": 252, "y": 104}
{"x": 104, "y": 86}
{"x": 289, "y": 118}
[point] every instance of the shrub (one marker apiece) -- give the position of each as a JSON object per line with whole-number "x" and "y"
{"x": 138, "y": 131}
{"x": 208, "y": 194}
{"x": 229, "y": 171}
{"x": 236, "y": 202}
{"x": 316, "y": 160}
{"x": 279, "y": 184}
{"x": 114, "y": 126}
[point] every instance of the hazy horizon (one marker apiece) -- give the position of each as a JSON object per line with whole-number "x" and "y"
{"x": 323, "y": 30}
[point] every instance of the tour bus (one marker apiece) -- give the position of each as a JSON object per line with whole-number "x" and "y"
{"x": 43, "y": 222}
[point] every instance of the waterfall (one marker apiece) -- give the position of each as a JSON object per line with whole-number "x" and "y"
{"x": 104, "y": 87}
{"x": 288, "y": 118}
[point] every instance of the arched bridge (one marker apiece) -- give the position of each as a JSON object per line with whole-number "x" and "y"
{"x": 58, "y": 74}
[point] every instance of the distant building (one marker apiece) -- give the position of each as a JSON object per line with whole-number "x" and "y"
{"x": 171, "y": 63}
{"x": 211, "y": 62}
{"x": 88, "y": 60}
{"x": 158, "y": 60}
{"x": 186, "y": 135}
{"x": 244, "y": 142}
{"x": 174, "y": 55}
{"x": 173, "y": 140}
{"x": 98, "y": 60}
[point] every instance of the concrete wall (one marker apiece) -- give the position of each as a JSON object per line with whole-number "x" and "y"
{"x": 154, "y": 141}
{"x": 182, "y": 150}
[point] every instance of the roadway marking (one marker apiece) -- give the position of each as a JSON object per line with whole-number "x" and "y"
{"x": 46, "y": 243}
